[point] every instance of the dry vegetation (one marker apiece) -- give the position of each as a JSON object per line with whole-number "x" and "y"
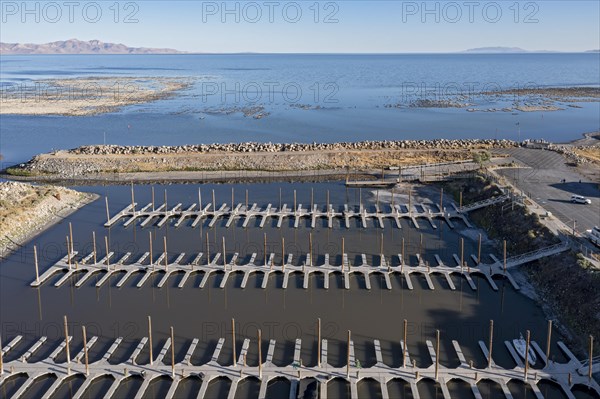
{"x": 563, "y": 282}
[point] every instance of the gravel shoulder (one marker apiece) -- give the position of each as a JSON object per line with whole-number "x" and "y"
{"x": 26, "y": 210}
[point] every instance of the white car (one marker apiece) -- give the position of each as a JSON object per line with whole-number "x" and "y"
{"x": 578, "y": 199}
{"x": 594, "y": 235}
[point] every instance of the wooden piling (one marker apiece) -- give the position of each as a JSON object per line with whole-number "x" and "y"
{"x": 348, "y": 355}
{"x": 282, "y": 254}
{"x": 319, "y": 342}
{"x": 327, "y": 205}
{"x": 460, "y": 200}
{"x": 166, "y": 254}
{"x": 214, "y": 202}
{"x": 360, "y": 198}
{"x": 548, "y": 340}
{"x": 107, "y": 212}
{"x": 35, "y": 259}
{"x": 403, "y": 259}
{"x": 67, "y": 346}
{"x": 280, "y": 198}
{"x": 166, "y": 204}
{"x": 343, "y": 251}
{"x": 504, "y": 257}
{"x": 377, "y": 201}
{"x": 312, "y": 198}
{"x": 246, "y": 206}
{"x": 381, "y": 246}
{"x": 491, "y": 343}
{"x": 132, "y": 199}
{"x": 294, "y": 202}
{"x": 224, "y": 255}
{"x": 233, "y": 342}
{"x": 200, "y": 199}
{"x": 107, "y": 253}
{"x": 68, "y": 252}
{"x": 437, "y": 353}
{"x": 442, "y": 199}
{"x": 150, "y": 241}
{"x": 420, "y": 244}
{"x": 591, "y": 366}
{"x": 527, "y": 354}
{"x": 232, "y": 199}
{"x": 71, "y": 237}
{"x": 259, "y": 353}
{"x": 310, "y": 249}
{"x": 265, "y": 248}
{"x": 462, "y": 251}
{"x": 479, "y": 250}
{"x": 172, "y": 353}
{"x": 94, "y": 243}
{"x": 85, "y": 351}
{"x": 207, "y": 250}
{"x": 154, "y": 203}
{"x": 405, "y": 348}
{"x": 150, "y": 339}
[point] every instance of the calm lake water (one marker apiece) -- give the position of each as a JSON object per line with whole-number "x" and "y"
{"x": 305, "y": 98}
{"x": 282, "y": 314}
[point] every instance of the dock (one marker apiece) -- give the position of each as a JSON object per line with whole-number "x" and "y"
{"x": 161, "y": 215}
{"x": 564, "y": 375}
{"x": 228, "y": 265}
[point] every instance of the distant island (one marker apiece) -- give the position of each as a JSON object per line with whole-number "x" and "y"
{"x": 75, "y": 46}
{"x": 513, "y": 50}
{"x": 496, "y": 50}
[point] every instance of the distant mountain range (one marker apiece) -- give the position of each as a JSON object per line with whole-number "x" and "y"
{"x": 511, "y": 50}
{"x": 74, "y": 46}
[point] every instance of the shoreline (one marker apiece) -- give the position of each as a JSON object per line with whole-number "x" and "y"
{"x": 18, "y": 235}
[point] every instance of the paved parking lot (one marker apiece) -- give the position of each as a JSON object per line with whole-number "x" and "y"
{"x": 541, "y": 179}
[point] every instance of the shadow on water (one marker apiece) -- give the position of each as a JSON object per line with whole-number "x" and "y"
{"x": 188, "y": 387}
{"x": 369, "y": 388}
{"x": 338, "y": 388}
{"x": 490, "y": 389}
{"x": 278, "y": 388}
{"x": 158, "y": 388}
{"x": 248, "y": 388}
{"x": 11, "y": 385}
{"x": 39, "y": 386}
{"x": 99, "y": 387}
{"x": 218, "y": 388}
{"x": 129, "y": 387}
{"x": 68, "y": 388}
{"x": 460, "y": 389}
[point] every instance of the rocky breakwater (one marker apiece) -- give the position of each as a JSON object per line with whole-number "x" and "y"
{"x": 93, "y": 160}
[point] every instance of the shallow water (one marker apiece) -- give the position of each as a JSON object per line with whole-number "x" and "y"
{"x": 308, "y": 97}
{"x": 281, "y": 314}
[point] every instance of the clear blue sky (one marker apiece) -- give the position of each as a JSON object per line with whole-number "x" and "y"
{"x": 362, "y": 26}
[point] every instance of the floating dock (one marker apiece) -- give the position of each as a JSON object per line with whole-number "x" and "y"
{"x": 72, "y": 267}
{"x": 564, "y": 375}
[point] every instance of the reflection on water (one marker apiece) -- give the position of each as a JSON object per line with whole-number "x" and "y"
{"x": 282, "y": 314}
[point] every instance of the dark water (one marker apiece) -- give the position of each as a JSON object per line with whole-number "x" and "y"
{"x": 282, "y": 314}
{"x": 307, "y": 98}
